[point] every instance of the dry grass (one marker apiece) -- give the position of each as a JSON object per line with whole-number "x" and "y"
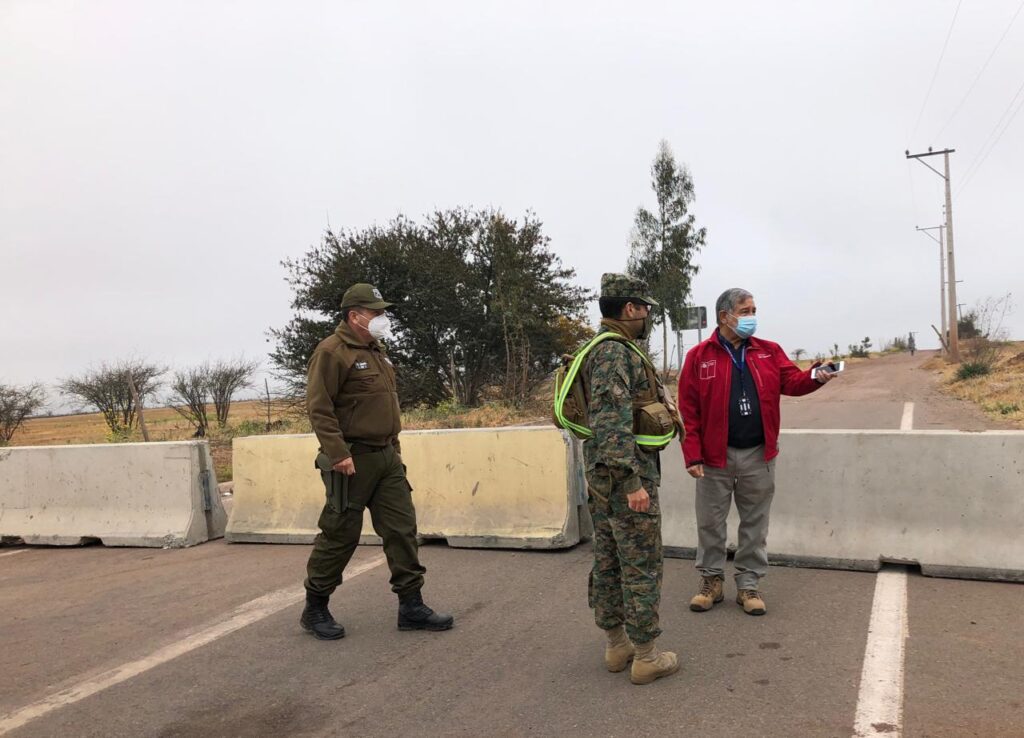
{"x": 999, "y": 394}
{"x": 164, "y": 424}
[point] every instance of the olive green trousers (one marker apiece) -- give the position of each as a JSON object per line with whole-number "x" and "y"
{"x": 379, "y": 484}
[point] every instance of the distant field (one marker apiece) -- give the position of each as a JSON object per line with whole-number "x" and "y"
{"x": 164, "y": 424}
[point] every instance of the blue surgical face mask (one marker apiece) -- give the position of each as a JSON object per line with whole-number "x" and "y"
{"x": 746, "y": 325}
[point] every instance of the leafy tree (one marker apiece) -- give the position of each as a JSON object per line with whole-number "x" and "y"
{"x": 480, "y": 298}
{"x": 16, "y": 404}
{"x": 798, "y": 353}
{"x": 664, "y": 243}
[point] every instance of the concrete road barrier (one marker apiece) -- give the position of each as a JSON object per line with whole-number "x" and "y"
{"x": 494, "y": 488}
{"x": 125, "y": 494}
{"x": 949, "y": 501}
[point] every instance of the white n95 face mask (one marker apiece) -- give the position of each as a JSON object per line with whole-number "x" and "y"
{"x": 379, "y": 327}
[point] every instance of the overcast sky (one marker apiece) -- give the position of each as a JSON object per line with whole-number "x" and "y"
{"x": 158, "y": 160}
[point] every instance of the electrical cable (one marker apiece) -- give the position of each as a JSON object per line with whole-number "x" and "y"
{"x": 986, "y": 148}
{"x": 980, "y": 72}
{"x": 938, "y": 64}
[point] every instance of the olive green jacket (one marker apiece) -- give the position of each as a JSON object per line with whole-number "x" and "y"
{"x": 351, "y": 394}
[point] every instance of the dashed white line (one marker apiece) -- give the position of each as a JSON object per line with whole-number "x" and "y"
{"x": 907, "y": 423}
{"x": 880, "y": 699}
{"x": 247, "y": 614}
{"x": 12, "y": 553}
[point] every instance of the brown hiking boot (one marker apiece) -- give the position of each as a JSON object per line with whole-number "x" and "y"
{"x": 649, "y": 664}
{"x": 752, "y": 601}
{"x": 709, "y": 595}
{"x": 619, "y": 651}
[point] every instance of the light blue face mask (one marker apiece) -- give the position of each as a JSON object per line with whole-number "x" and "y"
{"x": 746, "y": 325}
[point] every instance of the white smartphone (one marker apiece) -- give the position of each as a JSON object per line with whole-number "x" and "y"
{"x": 833, "y": 367}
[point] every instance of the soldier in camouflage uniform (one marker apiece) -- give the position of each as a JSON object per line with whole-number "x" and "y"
{"x": 622, "y": 480}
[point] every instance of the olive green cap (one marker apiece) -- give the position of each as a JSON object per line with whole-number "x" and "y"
{"x": 622, "y": 285}
{"x": 364, "y": 295}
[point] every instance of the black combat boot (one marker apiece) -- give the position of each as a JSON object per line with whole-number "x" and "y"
{"x": 317, "y": 619}
{"x": 414, "y": 615}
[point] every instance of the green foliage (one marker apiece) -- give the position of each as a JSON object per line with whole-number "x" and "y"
{"x": 481, "y": 302}
{"x": 1006, "y": 408}
{"x": 971, "y": 369}
{"x": 664, "y": 243}
{"x": 967, "y": 325}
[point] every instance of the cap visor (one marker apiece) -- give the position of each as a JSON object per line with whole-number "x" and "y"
{"x": 380, "y": 305}
{"x": 650, "y": 301}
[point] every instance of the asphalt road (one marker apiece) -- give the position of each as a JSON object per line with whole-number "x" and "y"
{"x": 138, "y": 642}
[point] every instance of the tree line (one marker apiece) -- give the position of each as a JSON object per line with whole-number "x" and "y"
{"x": 117, "y": 390}
{"x": 484, "y": 310}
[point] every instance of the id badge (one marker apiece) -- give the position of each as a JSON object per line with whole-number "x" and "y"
{"x": 745, "y": 407}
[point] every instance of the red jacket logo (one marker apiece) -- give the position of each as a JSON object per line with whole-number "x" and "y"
{"x": 707, "y": 369}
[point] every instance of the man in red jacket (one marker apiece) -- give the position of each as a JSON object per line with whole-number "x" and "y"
{"x": 729, "y": 393}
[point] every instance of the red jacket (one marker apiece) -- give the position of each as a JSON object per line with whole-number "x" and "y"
{"x": 704, "y": 386}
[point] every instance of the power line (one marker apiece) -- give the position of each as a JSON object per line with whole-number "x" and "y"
{"x": 986, "y": 148}
{"x": 980, "y": 72}
{"x": 938, "y": 64}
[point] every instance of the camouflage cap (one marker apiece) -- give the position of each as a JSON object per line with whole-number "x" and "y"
{"x": 622, "y": 285}
{"x": 364, "y": 295}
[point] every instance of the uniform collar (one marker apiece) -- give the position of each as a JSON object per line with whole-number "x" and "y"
{"x": 617, "y": 326}
{"x": 346, "y": 334}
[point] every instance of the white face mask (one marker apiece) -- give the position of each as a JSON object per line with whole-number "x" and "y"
{"x": 379, "y": 327}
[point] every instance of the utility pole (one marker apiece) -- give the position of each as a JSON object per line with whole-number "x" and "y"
{"x": 942, "y": 272}
{"x": 954, "y": 339}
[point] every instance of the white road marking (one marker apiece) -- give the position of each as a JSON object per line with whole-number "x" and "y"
{"x": 12, "y": 553}
{"x": 908, "y": 417}
{"x": 247, "y": 614}
{"x": 880, "y": 699}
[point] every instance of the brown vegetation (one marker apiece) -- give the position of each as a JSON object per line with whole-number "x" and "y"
{"x": 1000, "y": 393}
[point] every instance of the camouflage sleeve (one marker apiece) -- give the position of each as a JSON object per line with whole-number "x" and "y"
{"x": 610, "y": 413}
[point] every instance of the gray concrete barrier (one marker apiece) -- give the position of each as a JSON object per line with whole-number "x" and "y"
{"x": 949, "y": 501}
{"x": 480, "y": 488}
{"x": 125, "y": 494}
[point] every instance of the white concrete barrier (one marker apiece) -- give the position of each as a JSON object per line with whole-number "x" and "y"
{"x": 124, "y": 494}
{"x": 489, "y": 487}
{"x": 949, "y": 501}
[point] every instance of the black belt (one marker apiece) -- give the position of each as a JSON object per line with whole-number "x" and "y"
{"x": 359, "y": 449}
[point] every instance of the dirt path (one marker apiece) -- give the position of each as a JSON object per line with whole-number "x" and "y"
{"x": 873, "y": 394}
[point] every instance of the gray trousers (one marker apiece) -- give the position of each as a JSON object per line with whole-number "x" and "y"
{"x": 751, "y": 480}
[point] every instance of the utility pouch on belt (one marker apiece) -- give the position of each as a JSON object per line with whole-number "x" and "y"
{"x": 653, "y": 419}
{"x": 336, "y": 483}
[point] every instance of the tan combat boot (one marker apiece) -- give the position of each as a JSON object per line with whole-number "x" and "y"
{"x": 619, "y": 651}
{"x": 649, "y": 664}
{"x": 709, "y": 595}
{"x": 752, "y": 601}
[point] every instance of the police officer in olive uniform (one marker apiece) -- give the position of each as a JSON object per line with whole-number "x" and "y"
{"x": 352, "y": 400}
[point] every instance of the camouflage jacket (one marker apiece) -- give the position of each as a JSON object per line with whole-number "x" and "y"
{"x": 615, "y": 376}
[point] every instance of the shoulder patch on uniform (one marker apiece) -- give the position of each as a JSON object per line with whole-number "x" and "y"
{"x": 362, "y": 365}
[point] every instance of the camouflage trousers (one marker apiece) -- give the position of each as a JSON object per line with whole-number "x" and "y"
{"x": 625, "y": 582}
